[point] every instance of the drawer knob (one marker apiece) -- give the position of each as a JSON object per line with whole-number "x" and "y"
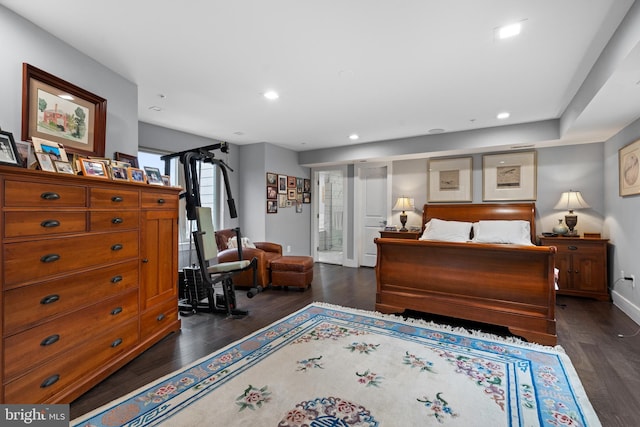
{"x": 117, "y": 199}
{"x": 572, "y": 248}
{"x": 145, "y": 260}
{"x": 51, "y": 339}
{"x": 50, "y": 381}
{"x": 161, "y": 201}
{"x": 116, "y": 279}
{"x": 116, "y": 342}
{"x": 50, "y": 258}
{"x": 117, "y": 220}
{"x": 116, "y": 310}
{"x": 160, "y": 318}
{"x": 49, "y": 299}
{"x": 50, "y": 195}
{"x": 49, "y": 223}
{"x": 116, "y": 247}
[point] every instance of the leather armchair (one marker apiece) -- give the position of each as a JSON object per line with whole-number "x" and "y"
{"x": 264, "y": 252}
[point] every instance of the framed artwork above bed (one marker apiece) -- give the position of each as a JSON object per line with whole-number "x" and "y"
{"x": 449, "y": 179}
{"x": 509, "y": 176}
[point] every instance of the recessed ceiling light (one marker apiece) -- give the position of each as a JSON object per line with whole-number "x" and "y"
{"x": 509, "y": 30}
{"x": 272, "y": 94}
{"x": 436, "y": 130}
{"x": 503, "y": 115}
{"x": 155, "y": 108}
{"x": 353, "y": 136}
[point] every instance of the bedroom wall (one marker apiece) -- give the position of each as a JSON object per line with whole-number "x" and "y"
{"x": 577, "y": 167}
{"x": 622, "y": 226}
{"x": 24, "y": 42}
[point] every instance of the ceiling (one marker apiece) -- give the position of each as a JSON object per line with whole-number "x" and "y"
{"x": 382, "y": 70}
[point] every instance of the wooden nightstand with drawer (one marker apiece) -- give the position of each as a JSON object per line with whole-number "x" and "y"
{"x": 582, "y": 265}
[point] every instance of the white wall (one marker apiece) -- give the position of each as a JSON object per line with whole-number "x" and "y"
{"x": 24, "y": 42}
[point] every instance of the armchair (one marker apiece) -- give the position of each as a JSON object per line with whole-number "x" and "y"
{"x": 264, "y": 252}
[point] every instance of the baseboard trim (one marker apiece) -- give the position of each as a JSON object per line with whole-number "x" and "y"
{"x": 629, "y": 308}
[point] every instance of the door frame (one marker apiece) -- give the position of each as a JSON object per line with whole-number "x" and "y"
{"x": 360, "y": 199}
{"x": 315, "y": 234}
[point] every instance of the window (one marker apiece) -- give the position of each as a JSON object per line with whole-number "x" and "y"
{"x": 209, "y": 179}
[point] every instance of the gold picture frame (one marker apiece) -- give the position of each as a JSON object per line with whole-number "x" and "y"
{"x": 629, "y": 169}
{"x": 509, "y": 176}
{"x": 450, "y": 179}
{"x": 57, "y": 110}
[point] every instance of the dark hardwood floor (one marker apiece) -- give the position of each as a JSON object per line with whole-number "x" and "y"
{"x": 608, "y": 366}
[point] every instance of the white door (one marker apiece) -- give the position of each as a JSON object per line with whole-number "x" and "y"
{"x": 373, "y": 210}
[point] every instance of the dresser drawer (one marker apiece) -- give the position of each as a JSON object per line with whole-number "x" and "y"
{"x": 158, "y": 318}
{"x": 27, "y": 306}
{"x": 36, "y": 345}
{"x": 43, "y": 195}
{"x": 34, "y": 260}
{"x": 108, "y": 198}
{"x": 43, "y": 223}
{"x": 152, "y": 199}
{"x": 113, "y": 220}
{"x": 45, "y": 381}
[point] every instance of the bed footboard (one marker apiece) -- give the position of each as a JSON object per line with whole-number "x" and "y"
{"x": 506, "y": 285}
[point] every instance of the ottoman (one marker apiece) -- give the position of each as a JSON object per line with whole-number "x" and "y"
{"x": 292, "y": 271}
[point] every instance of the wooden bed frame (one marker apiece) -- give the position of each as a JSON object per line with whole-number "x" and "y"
{"x": 506, "y": 285}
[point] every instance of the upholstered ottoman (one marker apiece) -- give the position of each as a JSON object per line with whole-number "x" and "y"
{"x": 292, "y": 271}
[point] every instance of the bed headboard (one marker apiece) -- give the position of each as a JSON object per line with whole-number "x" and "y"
{"x": 473, "y": 212}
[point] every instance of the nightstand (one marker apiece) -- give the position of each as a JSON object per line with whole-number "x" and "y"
{"x": 411, "y": 235}
{"x": 582, "y": 264}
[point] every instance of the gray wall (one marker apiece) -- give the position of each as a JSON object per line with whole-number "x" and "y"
{"x": 621, "y": 225}
{"x": 24, "y": 42}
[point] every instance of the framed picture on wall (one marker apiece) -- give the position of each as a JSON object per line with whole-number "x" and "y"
{"x": 450, "y": 179}
{"x": 629, "y": 169}
{"x": 272, "y": 206}
{"x": 509, "y": 176}
{"x": 282, "y": 184}
{"x": 57, "y": 110}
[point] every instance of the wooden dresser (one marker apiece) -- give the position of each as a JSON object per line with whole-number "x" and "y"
{"x": 89, "y": 280}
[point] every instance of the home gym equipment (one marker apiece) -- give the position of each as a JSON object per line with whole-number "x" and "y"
{"x": 208, "y": 281}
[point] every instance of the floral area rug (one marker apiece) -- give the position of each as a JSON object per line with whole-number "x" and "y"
{"x": 334, "y": 366}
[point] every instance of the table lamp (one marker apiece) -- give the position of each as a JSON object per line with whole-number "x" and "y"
{"x": 402, "y": 204}
{"x": 571, "y": 200}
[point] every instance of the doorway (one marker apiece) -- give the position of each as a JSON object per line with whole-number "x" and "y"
{"x": 330, "y": 218}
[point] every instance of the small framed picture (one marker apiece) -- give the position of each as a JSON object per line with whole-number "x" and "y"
{"x": 291, "y": 182}
{"x": 136, "y": 175}
{"x": 272, "y": 178}
{"x": 27, "y": 155}
{"x": 8, "y": 151}
{"x": 122, "y": 157}
{"x": 272, "y": 206}
{"x": 272, "y": 192}
{"x": 282, "y": 200}
{"x": 63, "y": 167}
{"x": 166, "y": 180}
{"x": 298, "y": 207}
{"x": 46, "y": 162}
{"x": 306, "y": 197}
{"x": 291, "y": 194}
{"x": 282, "y": 184}
{"x": 119, "y": 173}
{"x": 93, "y": 168}
{"x": 54, "y": 149}
{"x": 154, "y": 177}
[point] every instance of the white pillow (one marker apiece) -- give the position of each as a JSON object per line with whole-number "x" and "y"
{"x": 448, "y": 231}
{"x": 499, "y": 231}
{"x": 233, "y": 242}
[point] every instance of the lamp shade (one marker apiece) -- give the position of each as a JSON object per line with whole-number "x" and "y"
{"x": 570, "y": 200}
{"x": 403, "y": 203}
